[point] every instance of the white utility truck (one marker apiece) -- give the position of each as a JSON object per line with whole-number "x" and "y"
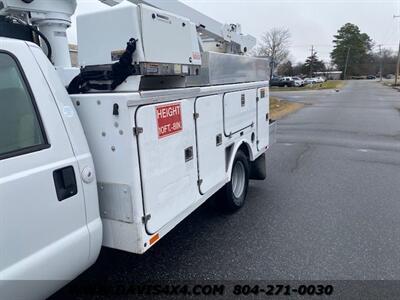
{"x": 165, "y": 111}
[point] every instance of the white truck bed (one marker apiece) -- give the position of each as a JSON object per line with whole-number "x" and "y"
{"x": 160, "y": 154}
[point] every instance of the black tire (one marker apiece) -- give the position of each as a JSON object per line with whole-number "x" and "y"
{"x": 233, "y": 195}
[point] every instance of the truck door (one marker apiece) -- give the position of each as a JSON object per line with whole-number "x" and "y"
{"x": 168, "y": 162}
{"x": 210, "y": 134}
{"x": 262, "y": 118}
{"x": 43, "y": 232}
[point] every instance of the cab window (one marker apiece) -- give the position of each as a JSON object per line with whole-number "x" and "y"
{"x": 21, "y": 130}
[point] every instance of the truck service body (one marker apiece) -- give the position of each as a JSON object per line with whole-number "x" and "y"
{"x": 155, "y": 176}
{"x": 119, "y": 167}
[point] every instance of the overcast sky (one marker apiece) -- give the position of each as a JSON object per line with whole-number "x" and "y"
{"x": 310, "y": 22}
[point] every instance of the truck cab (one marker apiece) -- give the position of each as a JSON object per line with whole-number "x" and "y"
{"x": 50, "y": 228}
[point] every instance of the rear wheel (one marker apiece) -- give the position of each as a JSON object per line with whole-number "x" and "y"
{"x": 233, "y": 195}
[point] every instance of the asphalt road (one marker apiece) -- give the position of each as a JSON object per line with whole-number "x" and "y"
{"x": 330, "y": 208}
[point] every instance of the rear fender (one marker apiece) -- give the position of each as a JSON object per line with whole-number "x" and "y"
{"x": 232, "y": 150}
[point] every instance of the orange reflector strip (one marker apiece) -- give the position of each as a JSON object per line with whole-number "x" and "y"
{"x": 154, "y": 239}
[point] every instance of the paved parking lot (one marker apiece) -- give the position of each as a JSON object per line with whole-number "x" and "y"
{"x": 330, "y": 208}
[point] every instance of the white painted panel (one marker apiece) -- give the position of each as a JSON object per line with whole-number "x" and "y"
{"x": 169, "y": 181}
{"x": 262, "y": 120}
{"x": 172, "y": 34}
{"x": 162, "y": 37}
{"x": 104, "y": 32}
{"x": 211, "y": 156}
{"x": 239, "y": 110}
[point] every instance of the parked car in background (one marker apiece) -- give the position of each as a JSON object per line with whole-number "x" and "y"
{"x": 310, "y": 81}
{"x": 288, "y": 82}
{"x": 298, "y": 81}
{"x": 282, "y": 82}
{"x": 371, "y": 77}
{"x": 320, "y": 79}
{"x": 275, "y": 81}
{"x": 314, "y": 80}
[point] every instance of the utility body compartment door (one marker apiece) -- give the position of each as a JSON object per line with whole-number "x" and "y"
{"x": 211, "y": 152}
{"x": 239, "y": 111}
{"x": 167, "y": 153}
{"x": 262, "y": 118}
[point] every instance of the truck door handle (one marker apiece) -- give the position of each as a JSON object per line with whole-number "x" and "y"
{"x": 65, "y": 183}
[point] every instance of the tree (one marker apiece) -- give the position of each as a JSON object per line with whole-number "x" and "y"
{"x": 313, "y": 64}
{"x": 286, "y": 68}
{"x": 386, "y": 57}
{"x": 298, "y": 69}
{"x": 274, "y": 45}
{"x": 353, "y": 47}
{"x": 389, "y": 60}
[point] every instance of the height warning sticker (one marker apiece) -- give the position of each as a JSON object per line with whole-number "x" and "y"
{"x": 169, "y": 119}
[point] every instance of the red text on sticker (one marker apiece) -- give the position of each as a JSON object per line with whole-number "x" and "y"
{"x": 169, "y": 119}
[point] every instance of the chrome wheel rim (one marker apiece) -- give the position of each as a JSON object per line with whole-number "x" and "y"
{"x": 238, "y": 179}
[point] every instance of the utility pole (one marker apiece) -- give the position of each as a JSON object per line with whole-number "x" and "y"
{"x": 398, "y": 59}
{"x": 381, "y": 63}
{"x": 397, "y": 67}
{"x": 347, "y": 62}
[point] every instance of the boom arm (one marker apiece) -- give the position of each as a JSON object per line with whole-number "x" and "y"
{"x": 208, "y": 28}
{"x": 51, "y": 19}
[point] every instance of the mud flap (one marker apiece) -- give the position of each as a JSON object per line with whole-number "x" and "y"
{"x": 258, "y": 169}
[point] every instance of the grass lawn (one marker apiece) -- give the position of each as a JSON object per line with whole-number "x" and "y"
{"x": 390, "y": 82}
{"x": 330, "y": 84}
{"x": 280, "y": 108}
